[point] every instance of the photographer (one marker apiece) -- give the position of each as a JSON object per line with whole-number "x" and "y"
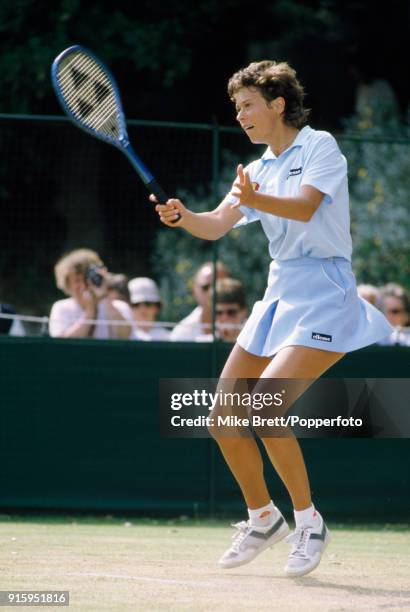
{"x": 82, "y": 275}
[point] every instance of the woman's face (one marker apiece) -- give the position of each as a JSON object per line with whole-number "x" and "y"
{"x": 395, "y": 311}
{"x": 257, "y": 117}
{"x": 76, "y": 284}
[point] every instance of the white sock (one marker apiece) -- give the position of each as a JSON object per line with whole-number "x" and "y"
{"x": 306, "y": 518}
{"x": 262, "y": 517}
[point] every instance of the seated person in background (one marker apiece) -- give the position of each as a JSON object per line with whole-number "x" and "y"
{"x": 12, "y": 327}
{"x": 198, "y": 323}
{"x": 370, "y": 293}
{"x": 82, "y": 275}
{"x": 395, "y": 303}
{"x": 117, "y": 287}
{"x": 230, "y": 309}
{"x": 145, "y": 304}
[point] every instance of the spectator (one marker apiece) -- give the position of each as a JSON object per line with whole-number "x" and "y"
{"x": 82, "y": 275}
{"x": 230, "y": 311}
{"x": 117, "y": 286}
{"x": 198, "y": 323}
{"x": 146, "y": 304}
{"x": 395, "y": 303}
{"x": 370, "y": 293}
{"x": 12, "y": 327}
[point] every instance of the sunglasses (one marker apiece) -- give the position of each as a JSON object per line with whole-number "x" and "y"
{"x": 230, "y": 312}
{"x": 138, "y": 304}
{"x": 395, "y": 311}
{"x": 205, "y": 287}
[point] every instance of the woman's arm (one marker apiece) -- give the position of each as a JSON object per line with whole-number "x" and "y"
{"x": 113, "y": 313}
{"x": 299, "y": 208}
{"x": 208, "y": 225}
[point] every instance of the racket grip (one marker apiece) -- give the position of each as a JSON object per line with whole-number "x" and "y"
{"x": 160, "y": 194}
{"x": 157, "y": 190}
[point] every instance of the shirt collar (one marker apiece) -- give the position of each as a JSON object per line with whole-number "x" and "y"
{"x": 299, "y": 141}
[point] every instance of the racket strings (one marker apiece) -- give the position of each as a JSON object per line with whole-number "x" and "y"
{"x": 89, "y": 94}
{"x": 85, "y": 98}
{"x": 75, "y": 83}
{"x": 79, "y": 79}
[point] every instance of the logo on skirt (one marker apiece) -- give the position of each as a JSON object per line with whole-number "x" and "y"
{"x": 322, "y": 337}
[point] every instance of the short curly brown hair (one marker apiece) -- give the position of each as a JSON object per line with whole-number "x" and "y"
{"x": 273, "y": 79}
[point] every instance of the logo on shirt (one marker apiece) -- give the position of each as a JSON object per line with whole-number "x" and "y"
{"x": 322, "y": 337}
{"x": 294, "y": 172}
{"x": 255, "y": 186}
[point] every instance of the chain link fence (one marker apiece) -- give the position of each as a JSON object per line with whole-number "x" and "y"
{"x": 62, "y": 190}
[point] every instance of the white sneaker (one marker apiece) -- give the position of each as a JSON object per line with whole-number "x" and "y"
{"x": 249, "y": 541}
{"x": 309, "y": 544}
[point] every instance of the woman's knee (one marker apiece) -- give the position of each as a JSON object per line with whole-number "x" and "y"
{"x": 227, "y": 430}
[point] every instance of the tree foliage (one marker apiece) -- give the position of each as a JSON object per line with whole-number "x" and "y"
{"x": 153, "y": 47}
{"x": 379, "y": 189}
{"x": 147, "y": 43}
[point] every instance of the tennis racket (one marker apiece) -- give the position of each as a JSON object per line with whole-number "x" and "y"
{"x": 89, "y": 96}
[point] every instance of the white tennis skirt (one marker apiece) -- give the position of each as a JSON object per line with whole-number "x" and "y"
{"x": 312, "y": 302}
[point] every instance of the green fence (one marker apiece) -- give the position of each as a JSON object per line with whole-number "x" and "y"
{"x": 79, "y": 430}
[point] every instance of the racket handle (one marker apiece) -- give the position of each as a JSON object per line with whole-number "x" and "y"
{"x": 157, "y": 190}
{"x": 160, "y": 194}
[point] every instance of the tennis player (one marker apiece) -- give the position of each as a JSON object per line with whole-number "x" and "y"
{"x": 310, "y": 315}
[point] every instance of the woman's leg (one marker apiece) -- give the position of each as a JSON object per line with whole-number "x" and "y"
{"x": 307, "y": 364}
{"x": 311, "y": 535}
{"x": 242, "y": 453}
{"x": 266, "y": 525}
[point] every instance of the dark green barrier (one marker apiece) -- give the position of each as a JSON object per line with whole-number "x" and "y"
{"x": 79, "y": 430}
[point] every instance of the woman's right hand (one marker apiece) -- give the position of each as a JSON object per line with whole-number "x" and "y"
{"x": 168, "y": 212}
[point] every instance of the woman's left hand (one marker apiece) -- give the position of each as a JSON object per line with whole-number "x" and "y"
{"x": 243, "y": 189}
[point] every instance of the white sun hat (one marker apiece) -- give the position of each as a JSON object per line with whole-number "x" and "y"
{"x": 143, "y": 289}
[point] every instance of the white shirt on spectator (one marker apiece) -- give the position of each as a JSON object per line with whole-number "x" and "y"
{"x": 397, "y": 337}
{"x": 190, "y": 328}
{"x": 17, "y": 328}
{"x": 154, "y": 333}
{"x": 64, "y": 313}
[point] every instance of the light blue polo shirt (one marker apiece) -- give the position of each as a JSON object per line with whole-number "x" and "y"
{"x": 314, "y": 158}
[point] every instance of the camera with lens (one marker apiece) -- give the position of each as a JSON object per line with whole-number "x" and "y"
{"x": 92, "y": 274}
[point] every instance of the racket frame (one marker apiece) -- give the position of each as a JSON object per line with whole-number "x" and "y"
{"x": 123, "y": 143}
